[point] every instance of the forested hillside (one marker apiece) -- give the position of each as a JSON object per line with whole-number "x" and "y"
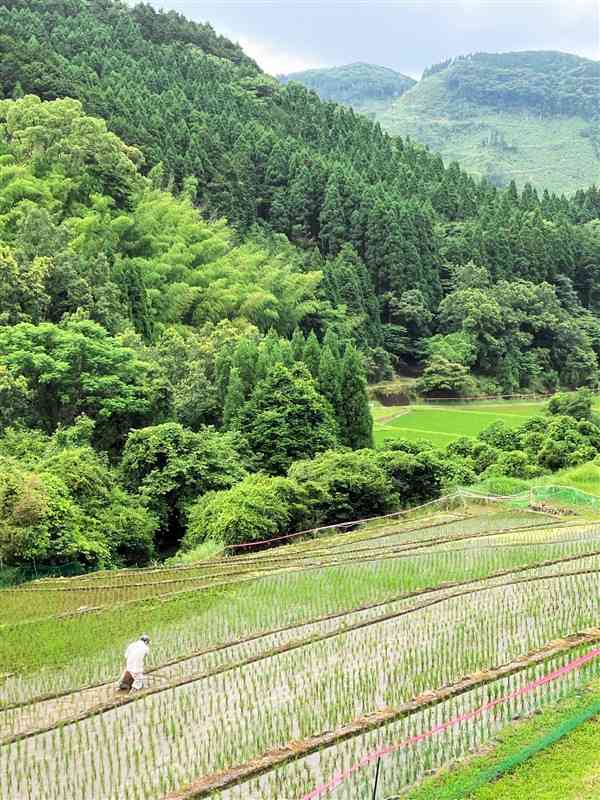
{"x": 366, "y": 87}
{"x": 525, "y": 116}
{"x": 199, "y": 267}
{"x": 530, "y": 116}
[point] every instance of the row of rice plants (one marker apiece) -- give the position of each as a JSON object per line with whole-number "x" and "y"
{"x": 64, "y": 596}
{"x": 36, "y": 716}
{"x": 183, "y": 732}
{"x": 410, "y": 763}
{"x": 275, "y": 602}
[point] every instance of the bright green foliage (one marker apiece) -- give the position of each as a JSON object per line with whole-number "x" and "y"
{"x": 445, "y": 378}
{"x": 311, "y": 355}
{"x": 77, "y": 368}
{"x": 356, "y": 422}
{"x": 245, "y": 359}
{"x": 71, "y": 140}
{"x": 60, "y": 502}
{"x": 344, "y": 486}
{"x": 500, "y": 435}
{"x": 455, "y": 347}
{"x": 254, "y": 285}
{"x": 348, "y": 283}
{"x": 286, "y": 419}
{"x": 269, "y": 354}
{"x": 522, "y": 334}
{"x": 542, "y": 443}
{"x": 578, "y": 405}
{"x": 330, "y": 378}
{"x": 298, "y": 343}
{"x": 258, "y": 508}
{"x": 84, "y": 230}
{"x": 234, "y": 400}
{"x": 171, "y": 466}
{"x": 513, "y": 464}
{"x": 15, "y": 398}
{"x": 417, "y": 477}
{"x": 196, "y": 364}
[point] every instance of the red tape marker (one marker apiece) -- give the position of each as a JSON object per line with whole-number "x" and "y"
{"x": 339, "y": 777}
{"x": 345, "y": 524}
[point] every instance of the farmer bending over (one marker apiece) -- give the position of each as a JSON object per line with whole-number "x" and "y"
{"x": 133, "y": 677}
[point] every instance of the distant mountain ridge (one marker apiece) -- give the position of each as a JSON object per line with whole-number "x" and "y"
{"x": 530, "y": 116}
{"x": 359, "y": 85}
{"x": 546, "y": 80}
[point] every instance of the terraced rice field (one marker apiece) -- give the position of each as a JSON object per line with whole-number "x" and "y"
{"x": 307, "y": 657}
{"x": 442, "y": 424}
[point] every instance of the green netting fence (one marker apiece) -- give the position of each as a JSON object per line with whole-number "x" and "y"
{"x": 559, "y": 496}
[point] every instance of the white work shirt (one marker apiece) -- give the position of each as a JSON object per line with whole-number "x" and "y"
{"x": 135, "y": 655}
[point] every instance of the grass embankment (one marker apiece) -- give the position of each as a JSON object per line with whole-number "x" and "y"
{"x": 443, "y": 424}
{"x": 567, "y": 770}
{"x": 575, "y": 487}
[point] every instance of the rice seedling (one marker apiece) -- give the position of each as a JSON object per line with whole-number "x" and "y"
{"x": 311, "y": 639}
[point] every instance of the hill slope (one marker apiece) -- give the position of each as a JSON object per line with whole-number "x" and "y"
{"x": 378, "y": 222}
{"x": 528, "y": 116}
{"x": 366, "y": 87}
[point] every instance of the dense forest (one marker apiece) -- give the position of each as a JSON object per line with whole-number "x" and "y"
{"x": 551, "y": 82}
{"x": 354, "y": 84}
{"x": 200, "y": 268}
{"x": 529, "y": 116}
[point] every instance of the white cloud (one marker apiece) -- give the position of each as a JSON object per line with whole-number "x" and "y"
{"x": 577, "y": 10}
{"x": 275, "y": 60}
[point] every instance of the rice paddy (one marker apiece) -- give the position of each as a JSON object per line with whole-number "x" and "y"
{"x": 272, "y": 671}
{"x": 442, "y": 424}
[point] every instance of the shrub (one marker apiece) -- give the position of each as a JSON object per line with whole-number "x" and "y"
{"x": 515, "y": 464}
{"x": 483, "y": 456}
{"x": 577, "y": 405}
{"x": 463, "y": 447}
{"x": 259, "y": 507}
{"x": 499, "y": 435}
{"x": 406, "y": 446}
{"x": 346, "y": 485}
{"x": 64, "y": 504}
{"x": 582, "y": 455}
{"x": 416, "y": 477}
{"x": 171, "y": 466}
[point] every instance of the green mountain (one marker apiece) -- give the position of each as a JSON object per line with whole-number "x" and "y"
{"x": 198, "y": 265}
{"x": 378, "y": 222}
{"x": 366, "y": 87}
{"x": 531, "y": 117}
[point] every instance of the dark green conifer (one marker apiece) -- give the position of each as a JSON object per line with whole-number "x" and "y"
{"x": 312, "y": 354}
{"x": 357, "y": 427}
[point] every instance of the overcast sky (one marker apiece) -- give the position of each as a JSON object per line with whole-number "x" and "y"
{"x": 407, "y": 35}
